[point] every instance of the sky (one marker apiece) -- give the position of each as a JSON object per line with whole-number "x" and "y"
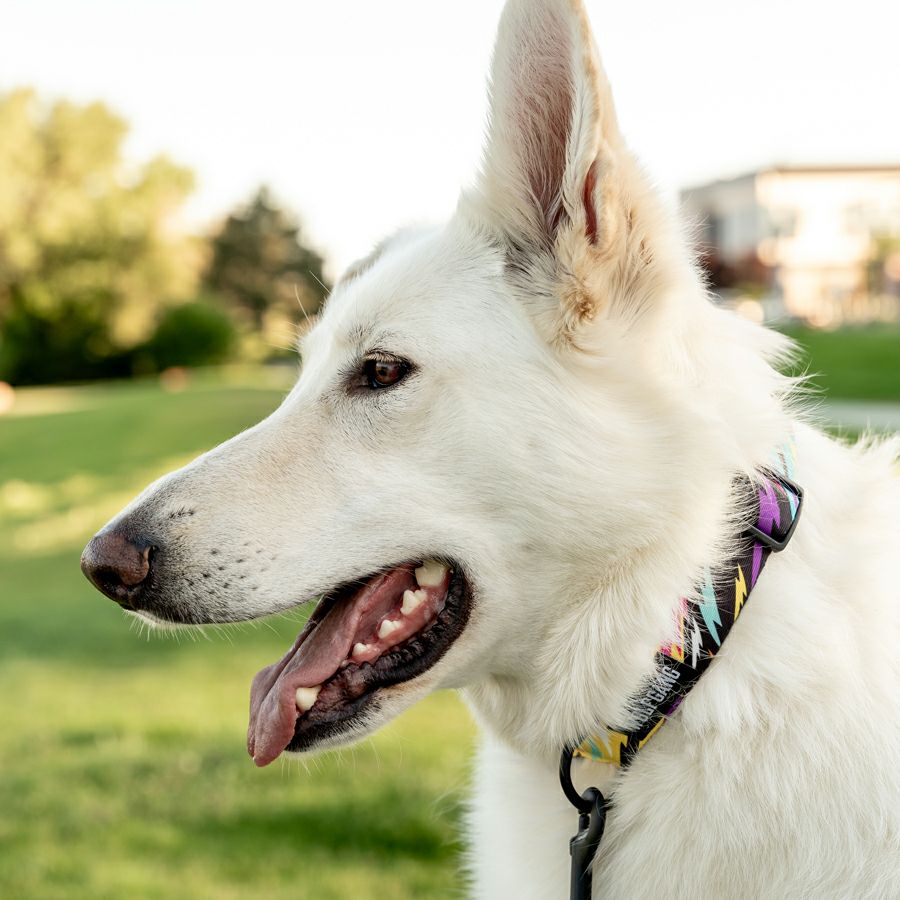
{"x": 363, "y": 116}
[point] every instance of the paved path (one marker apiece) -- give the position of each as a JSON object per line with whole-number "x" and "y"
{"x": 860, "y": 415}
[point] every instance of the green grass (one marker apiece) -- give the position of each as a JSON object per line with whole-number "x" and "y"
{"x": 123, "y": 767}
{"x": 853, "y": 363}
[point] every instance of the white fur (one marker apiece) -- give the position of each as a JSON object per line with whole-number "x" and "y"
{"x": 570, "y": 435}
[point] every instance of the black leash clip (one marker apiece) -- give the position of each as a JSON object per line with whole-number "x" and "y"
{"x": 591, "y": 806}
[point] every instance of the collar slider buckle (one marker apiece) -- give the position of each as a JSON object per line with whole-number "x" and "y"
{"x": 775, "y": 542}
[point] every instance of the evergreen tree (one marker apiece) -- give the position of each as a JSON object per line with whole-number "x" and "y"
{"x": 260, "y": 264}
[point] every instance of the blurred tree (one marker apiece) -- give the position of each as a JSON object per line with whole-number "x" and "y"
{"x": 88, "y": 252}
{"x": 261, "y": 266}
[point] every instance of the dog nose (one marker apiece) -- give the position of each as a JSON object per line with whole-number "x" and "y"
{"x": 117, "y": 565}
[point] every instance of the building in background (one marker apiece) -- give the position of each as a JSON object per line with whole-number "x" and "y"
{"x": 817, "y": 243}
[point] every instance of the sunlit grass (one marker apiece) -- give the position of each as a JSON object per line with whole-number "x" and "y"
{"x": 54, "y": 516}
{"x": 853, "y": 363}
{"x": 124, "y": 771}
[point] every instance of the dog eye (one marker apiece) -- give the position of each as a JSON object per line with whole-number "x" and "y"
{"x": 384, "y": 373}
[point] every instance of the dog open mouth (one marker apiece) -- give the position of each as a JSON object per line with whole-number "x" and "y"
{"x": 362, "y": 637}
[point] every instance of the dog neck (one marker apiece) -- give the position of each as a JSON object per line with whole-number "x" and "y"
{"x": 596, "y": 653}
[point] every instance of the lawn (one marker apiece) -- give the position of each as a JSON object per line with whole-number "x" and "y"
{"x": 853, "y": 363}
{"x": 124, "y": 769}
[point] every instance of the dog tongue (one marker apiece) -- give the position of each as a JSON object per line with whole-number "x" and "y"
{"x": 314, "y": 657}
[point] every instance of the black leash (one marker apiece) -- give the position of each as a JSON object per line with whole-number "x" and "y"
{"x": 591, "y": 806}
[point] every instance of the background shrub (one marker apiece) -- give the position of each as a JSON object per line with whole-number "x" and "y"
{"x": 193, "y": 334}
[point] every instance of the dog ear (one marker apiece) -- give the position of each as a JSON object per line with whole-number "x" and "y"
{"x": 556, "y": 180}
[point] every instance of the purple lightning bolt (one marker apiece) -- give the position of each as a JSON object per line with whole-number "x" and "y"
{"x": 769, "y": 514}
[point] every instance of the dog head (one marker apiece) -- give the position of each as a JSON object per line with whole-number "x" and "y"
{"x": 491, "y": 417}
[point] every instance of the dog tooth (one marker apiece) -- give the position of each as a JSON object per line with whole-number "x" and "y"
{"x": 305, "y": 697}
{"x": 412, "y": 600}
{"x": 431, "y": 573}
{"x": 387, "y": 627}
{"x": 359, "y": 649}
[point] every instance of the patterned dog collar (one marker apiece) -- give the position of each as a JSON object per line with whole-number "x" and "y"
{"x": 702, "y": 625}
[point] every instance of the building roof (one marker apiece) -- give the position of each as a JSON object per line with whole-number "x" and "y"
{"x": 795, "y": 169}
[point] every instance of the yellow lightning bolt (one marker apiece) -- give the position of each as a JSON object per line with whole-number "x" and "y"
{"x": 652, "y": 731}
{"x": 740, "y": 592}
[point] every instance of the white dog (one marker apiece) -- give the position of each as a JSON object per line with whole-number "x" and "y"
{"x": 513, "y": 448}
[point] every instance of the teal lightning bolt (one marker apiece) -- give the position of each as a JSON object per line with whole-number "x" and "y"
{"x": 709, "y": 609}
